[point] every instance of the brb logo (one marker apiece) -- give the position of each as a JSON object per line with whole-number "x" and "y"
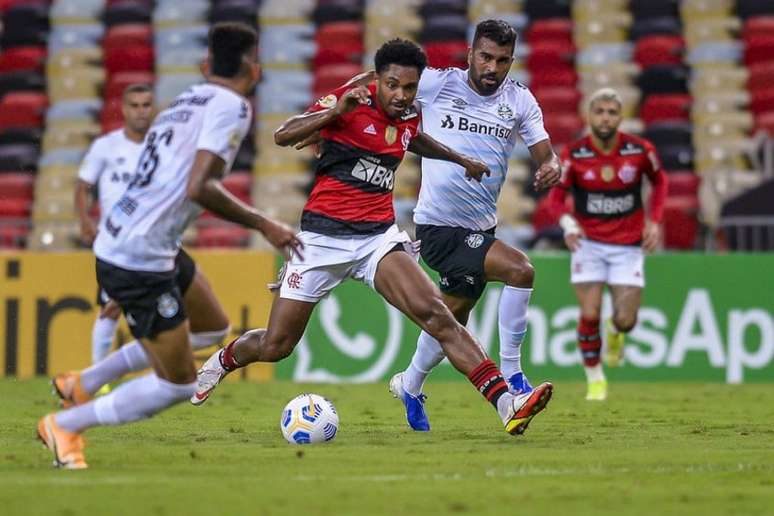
{"x": 372, "y": 171}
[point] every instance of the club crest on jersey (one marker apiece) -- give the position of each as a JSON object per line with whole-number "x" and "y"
{"x": 328, "y": 101}
{"x": 607, "y": 173}
{"x": 627, "y": 173}
{"x": 167, "y": 306}
{"x": 474, "y": 240}
{"x": 504, "y": 111}
{"x": 390, "y": 134}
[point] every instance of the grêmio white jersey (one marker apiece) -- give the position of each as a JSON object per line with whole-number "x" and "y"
{"x": 110, "y": 165}
{"x": 481, "y": 127}
{"x": 142, "y": 230}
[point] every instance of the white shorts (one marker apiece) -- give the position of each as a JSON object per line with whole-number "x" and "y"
{"x": 595, "y": 262}
{"x": 330, "y": 260}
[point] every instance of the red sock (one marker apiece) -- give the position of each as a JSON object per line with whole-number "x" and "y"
{"x": 227, "y": 359}
{"x": 589, "y": 342}
{"x": 489, "y": 381}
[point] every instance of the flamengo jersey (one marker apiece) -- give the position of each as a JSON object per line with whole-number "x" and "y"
{"x": 361, "y": 150}
{"x": 142, "y": 230}
{"x": 607, "y": 188}
{"x": 481, "y": 127}
{"x": 110, "y": 165}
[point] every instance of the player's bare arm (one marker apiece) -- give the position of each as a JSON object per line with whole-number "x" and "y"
{"x": 425, "y": 146}
{"x": 206, "y": 189}
{"x": 549, "y": 171}
{"x": 301, "y": 127}
{"x": 82, "y": 205}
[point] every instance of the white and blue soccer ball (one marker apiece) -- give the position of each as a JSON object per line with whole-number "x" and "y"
{"x": 309, "y": 419}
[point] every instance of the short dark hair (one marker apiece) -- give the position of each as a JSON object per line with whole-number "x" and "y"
{"x": 498, "y": 31}
{"x": 228, "y": 43}
{"x": 136, "y": 88}
{"x": 400, "y": 52}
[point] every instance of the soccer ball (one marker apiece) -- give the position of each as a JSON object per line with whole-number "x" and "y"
{"x": 309, "y": 419}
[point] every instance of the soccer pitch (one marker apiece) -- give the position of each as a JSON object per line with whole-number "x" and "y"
{"x": 651, "y": 449}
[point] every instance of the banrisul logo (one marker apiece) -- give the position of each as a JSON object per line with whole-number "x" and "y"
{"x": 465, "y": 124}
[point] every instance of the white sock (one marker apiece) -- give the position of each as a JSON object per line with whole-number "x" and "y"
{"x": 205, "y": 339}
{"x": 138, "y": 399}
{"x": 594, "y": 373}
{"x": 128, "y": 358}
{"x": 514, "y": 302}
{"x": 428, "y": 355}
{"x": 131, "y": 357}
{"x": 102, "y": 337}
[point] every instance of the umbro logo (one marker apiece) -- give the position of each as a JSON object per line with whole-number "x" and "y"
{"x": 370, "y": 130}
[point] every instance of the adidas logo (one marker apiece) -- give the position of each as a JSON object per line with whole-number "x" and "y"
{"x": 370, "y": 130}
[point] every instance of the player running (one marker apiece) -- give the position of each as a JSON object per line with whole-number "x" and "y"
{"x": 481, "y": 112}
{"x": 187, "y": 150}
{"x": 608, "y": 229}
{"x": 106, "y": 170}
{"x": 348, "y": 230}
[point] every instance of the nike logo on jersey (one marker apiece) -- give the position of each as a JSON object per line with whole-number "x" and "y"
{"x": 370, "y": 130}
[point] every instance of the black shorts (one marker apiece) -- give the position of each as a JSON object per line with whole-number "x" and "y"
{"x": 457, "y": 254}
{"x": 151, "y": 301}
{"x": 185, "y": 270}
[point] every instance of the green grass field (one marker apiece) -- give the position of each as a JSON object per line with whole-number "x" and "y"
{"x": 662, "y": 449}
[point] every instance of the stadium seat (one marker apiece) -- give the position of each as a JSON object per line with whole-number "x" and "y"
{"x": 550, "y": 54}
{"x": 758, "y": 26}
{"x": 762, "y": 101}
{"x": 22, "y": 110}
{"x": 549, "y": 29}
{"x": 188, "y": 37}
{"x": 641, "y": 9}
{"x": 244, "y": 11}
{"x": 759, "y": 49}
{"x": 13, "y": 236}
{"x": 16, "y": 185}
{"x": 549, "y": 77}
{"x": 749, "y": 8}
{"x": 340, "y": 33}
{"x": 429, "y": 8}
{"x": 664, "y": 79}
{"x": 337, "y": 10}
{"x": 81, "y": 83}
{"x": 24, "y": 24}
{"x": 659, "y": 50}
{"x": 683, "y": 183}
{"x": 176, "y": 13}
{"x": 765, "y": 122}
{"x": 70, "y": 12}
{"x": 563, "y": 128}
{"x": 714, "y": 52}
{"x": 18, "y": 156}
{"x": 16, "y": 59}
{"x": 667, "y": 26}
{"x": 129, "y": 59}
{"x": 117, "y": 83}
{"x": 538, "y": 9}
{"x": 445, "y": 54}
{"x": 127, "y": 11}
{"x": 669, "y": 133}
{"x": 680, "y": 223}
{"x": 761, "y": 76}
{"x": 32, "y": 135}
{"x": 561, "y": 99}
{"x": 127, "y": 35}
{"x": 336, "y": 54}
{"x": 676, "y": 157}
{"x": 444, "y": 27}
{"x": 80, "y": 36}
{"x": 15, "y": 207}
{"x": 330, "y": 77}
{"x": 21, "y": 81}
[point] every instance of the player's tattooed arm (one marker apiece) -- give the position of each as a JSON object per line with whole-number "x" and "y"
{"x": 83, "y": 198}
{"x": 300, "y": 127}
{"x": 549, "y": 171}
{"x": 425, "y": 146}
{"x": 206, "y": 189}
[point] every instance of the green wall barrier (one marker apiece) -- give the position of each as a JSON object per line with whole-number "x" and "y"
{"x": 703, "y": 318}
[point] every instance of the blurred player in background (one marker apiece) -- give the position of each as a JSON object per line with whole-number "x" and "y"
{"x": 188, "y": 149}
{"x": 608, "y": 230}
{"x": 107, "y": 169}
{"x": 480, "y": 112}
{"x": 348, "y": 229}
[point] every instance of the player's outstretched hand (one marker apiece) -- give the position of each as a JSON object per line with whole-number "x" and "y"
{"x": 88, "y": 232}
{"x": 475, "y": 169}
{"x": 547, "y": 175}
{"x": 350, "y": 100}
{"x": 283, "y": 238}
{"x": 651, "y": 236}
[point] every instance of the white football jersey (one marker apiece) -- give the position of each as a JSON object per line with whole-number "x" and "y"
{"x": 142, "y": 230}
{"x": 481, "y": 127}
{"x": 110, "y": 165}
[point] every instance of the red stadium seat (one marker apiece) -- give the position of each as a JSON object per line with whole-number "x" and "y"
{"x": 22, "y": 110}
{"x": 758, "y": 26}
{"x": 12, "y": 236}
{"x": 550, "y": 54}
{"x": 337, "y": 54}
{"x": 762, "y": 101}
{"x": 445, "y": 54}
{"x": 328, "y": 78}
{"x": 128, "y": 35}
{"x": 111, "y": 116}
{"x": 682, "y": 183}
{"x": 680, "y": 223}
{"x": 19, "y": 59}
{"x": 549, "y": 29}
{"x": 761, "y": 76}
{"x": 17, "y": 185}
{"x": 129, "y": 59}
{"x": 239, "y": 184}
{"x": 340, "y": 33}
{"x": 659, "y": 50}
{"x": 222, "y": 236}
{"x": 550, "y": 77}
{"x": 765, "y": 122}
{"x": 759, "y": 49}
{"x": 117, "y": 83}
{"x": 19, "y": 208}
{"x": 563, "y": 128}
{"x": 665, "y": 106}
{"x": 558, "y": 99}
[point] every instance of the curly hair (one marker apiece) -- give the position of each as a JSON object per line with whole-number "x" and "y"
{"x": 400, "y": 52}
{"x": 228, "y": 43}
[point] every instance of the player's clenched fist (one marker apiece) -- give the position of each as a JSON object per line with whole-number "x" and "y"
{"x": 475, "y": 169}
{"x": 351, "y": 99}
{"x": 548, "y": 175}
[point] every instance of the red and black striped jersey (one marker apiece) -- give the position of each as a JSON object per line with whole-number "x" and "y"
{"x": 360, "y": 152}
{"x": 607, "y": 188}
